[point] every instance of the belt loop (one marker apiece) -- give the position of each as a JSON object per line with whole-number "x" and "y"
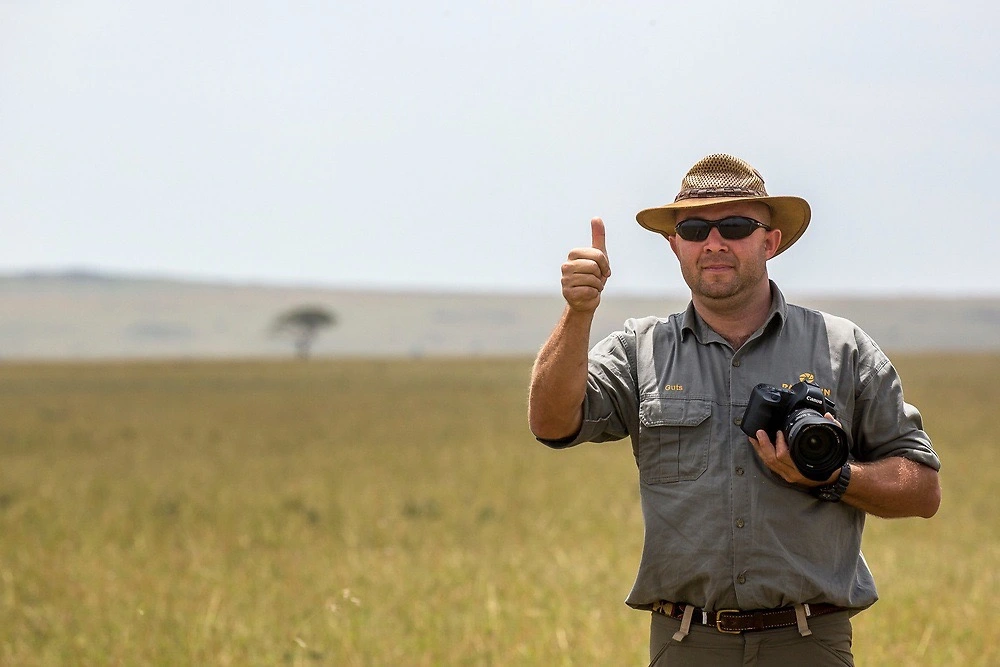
{"x": 800, "y": 620}
{"x": 685, "y": 623}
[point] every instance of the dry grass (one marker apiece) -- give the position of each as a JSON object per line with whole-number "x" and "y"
{"x": 368, "y": 513}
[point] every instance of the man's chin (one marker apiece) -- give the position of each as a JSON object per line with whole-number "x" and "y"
{"x": 718, "y": 289}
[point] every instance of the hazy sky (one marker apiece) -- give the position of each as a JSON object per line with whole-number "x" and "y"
{"x": 465, "y": 145}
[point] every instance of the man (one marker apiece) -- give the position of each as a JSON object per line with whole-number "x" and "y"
{"x": 746, "y": 560}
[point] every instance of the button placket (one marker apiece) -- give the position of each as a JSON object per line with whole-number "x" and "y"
{"x": 741, "y": 483}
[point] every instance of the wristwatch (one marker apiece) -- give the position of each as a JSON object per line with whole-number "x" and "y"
{"x": 831, "y": 493}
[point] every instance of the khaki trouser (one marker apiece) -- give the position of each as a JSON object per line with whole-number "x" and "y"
{"x": 829, "y": 644}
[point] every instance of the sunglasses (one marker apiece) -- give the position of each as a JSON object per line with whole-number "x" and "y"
{"x": 732, "y": 228}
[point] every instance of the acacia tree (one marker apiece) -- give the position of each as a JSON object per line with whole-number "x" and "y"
{"x": 304, "y": 323}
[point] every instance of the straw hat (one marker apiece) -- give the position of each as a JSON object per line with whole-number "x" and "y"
{"x": 723, "y": 178}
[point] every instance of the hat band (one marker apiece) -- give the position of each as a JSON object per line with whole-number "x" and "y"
{"x": 725, "y": 191}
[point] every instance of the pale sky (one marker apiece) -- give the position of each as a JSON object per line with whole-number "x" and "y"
{"x": 466, "y": 145}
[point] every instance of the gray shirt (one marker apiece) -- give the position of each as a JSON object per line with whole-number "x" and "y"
{"x": 721, "y": 530}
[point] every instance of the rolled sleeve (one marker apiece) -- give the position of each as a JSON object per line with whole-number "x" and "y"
{"x": 608, "y": 407}
{"x": 887, "y": 424}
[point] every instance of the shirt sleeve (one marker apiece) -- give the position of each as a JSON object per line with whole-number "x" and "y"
{"x": 610, "y": 411}
{"x": 885, "y": 424}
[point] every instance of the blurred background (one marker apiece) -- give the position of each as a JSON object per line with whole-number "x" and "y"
{"x": 176, "y": 177}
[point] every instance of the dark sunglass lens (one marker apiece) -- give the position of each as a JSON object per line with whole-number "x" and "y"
{"x": 693, "y": 230}
{"x": 736, "y": 228}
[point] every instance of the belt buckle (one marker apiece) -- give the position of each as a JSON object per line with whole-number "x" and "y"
{"x": 719, "y": 619}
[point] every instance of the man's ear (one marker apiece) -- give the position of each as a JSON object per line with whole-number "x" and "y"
{"x": 771, "y": 242}
{"x": 672, "y": 240}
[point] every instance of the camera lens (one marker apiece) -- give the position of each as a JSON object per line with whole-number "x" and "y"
{"x": 817, "y": 445}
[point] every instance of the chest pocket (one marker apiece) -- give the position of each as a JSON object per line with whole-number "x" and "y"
{"x": 674, "y": 438}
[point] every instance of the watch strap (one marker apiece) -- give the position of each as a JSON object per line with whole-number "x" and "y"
{"x": 832, "y": 493}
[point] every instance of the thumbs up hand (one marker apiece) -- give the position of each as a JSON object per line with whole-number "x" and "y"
{"x": 586, "y": 270}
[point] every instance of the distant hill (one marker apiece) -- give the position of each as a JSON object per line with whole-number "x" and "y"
{"x": 86, "y": 316}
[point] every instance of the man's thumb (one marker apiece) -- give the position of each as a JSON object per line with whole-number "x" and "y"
{"x": 597, "y": 235}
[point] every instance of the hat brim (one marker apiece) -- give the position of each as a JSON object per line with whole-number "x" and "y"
{"x": 789, "y": 214}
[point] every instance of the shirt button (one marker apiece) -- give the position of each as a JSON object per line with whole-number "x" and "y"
{"x": 742, "y": 579}
{"x": 740, "y": 523}
{"x": 739, "y": 470}
{"x": 736, "y": 363}
{"x": 738, "y": 421}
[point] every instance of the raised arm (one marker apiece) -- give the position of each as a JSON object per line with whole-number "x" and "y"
{"x": 559, "y": 376}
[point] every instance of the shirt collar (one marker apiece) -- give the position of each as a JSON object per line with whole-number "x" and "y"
{"x": 705, "y": 334}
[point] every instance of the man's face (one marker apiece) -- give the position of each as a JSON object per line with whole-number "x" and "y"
{"x": 719, "y": 268}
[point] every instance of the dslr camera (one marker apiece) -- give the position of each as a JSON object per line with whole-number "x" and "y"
{"x": 818, "y": 446}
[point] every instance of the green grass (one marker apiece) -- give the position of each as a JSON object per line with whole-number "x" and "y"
{"x": 377, "y": 512}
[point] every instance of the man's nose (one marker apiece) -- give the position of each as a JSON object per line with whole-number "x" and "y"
{"x": 715, "y": 242}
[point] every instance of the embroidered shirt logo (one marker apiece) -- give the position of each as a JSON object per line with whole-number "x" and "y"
{"x": 809, "y": 377}
{"x": 673, "y": 387}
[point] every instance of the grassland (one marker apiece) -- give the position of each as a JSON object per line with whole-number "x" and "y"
{"x": 376, "y": 513}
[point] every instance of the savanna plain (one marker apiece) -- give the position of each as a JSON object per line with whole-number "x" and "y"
{"x": 370, "y": 512}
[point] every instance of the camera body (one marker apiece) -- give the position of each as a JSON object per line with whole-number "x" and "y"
{"x": 817, "y": 445}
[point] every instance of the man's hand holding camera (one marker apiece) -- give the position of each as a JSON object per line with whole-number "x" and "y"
{"x": 778, "y": 458}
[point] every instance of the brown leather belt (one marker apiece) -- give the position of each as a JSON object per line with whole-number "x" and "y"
{"x": 734, "y": 621}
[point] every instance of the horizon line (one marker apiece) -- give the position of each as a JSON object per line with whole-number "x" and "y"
{"x": 81, "y": 274}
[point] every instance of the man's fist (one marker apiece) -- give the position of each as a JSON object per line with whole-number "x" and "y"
{"x": 586, "y": 270}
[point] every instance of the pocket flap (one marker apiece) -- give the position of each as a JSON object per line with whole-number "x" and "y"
{"x": 672, "y": 412}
